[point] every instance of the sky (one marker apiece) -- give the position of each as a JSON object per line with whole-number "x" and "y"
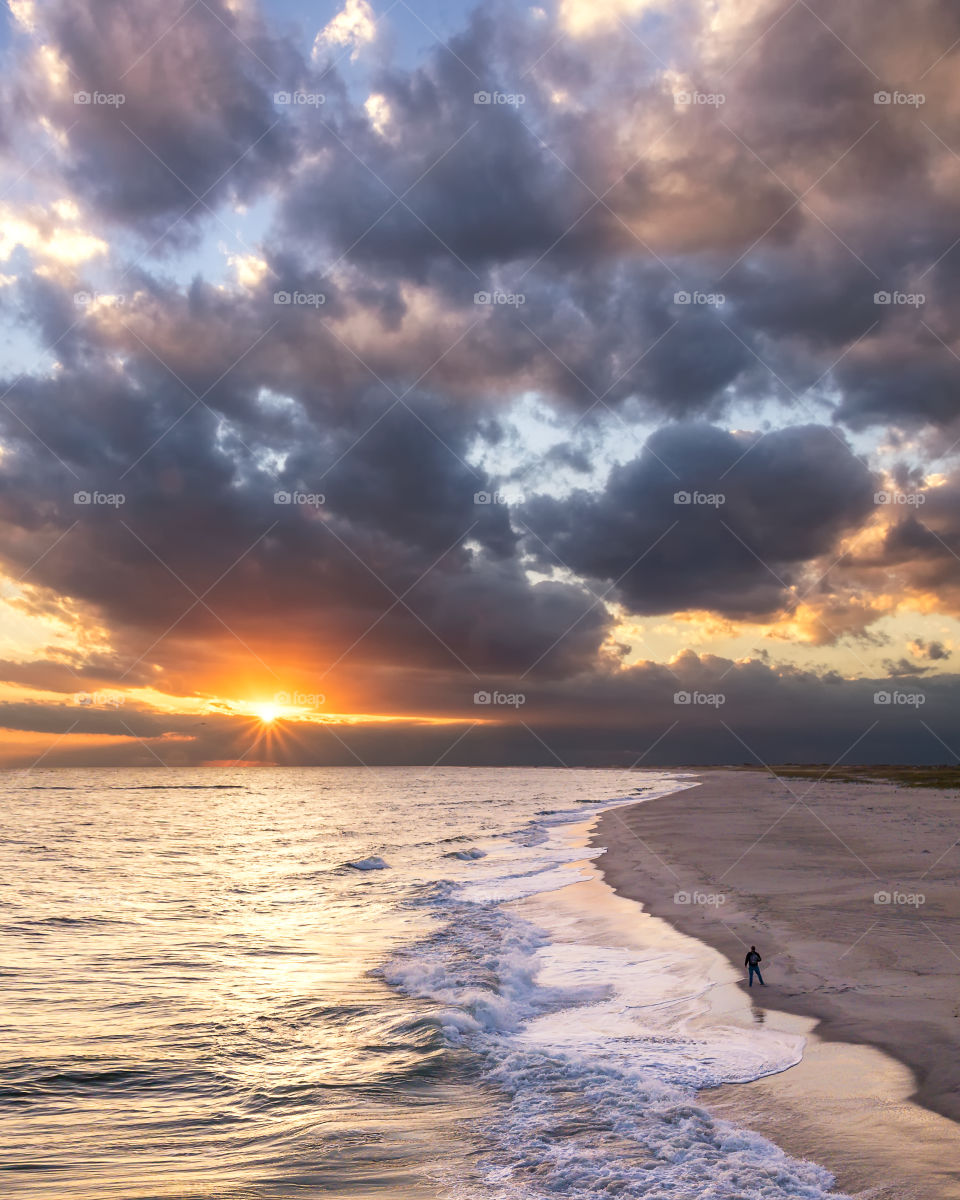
{"x": 561, "y": 384}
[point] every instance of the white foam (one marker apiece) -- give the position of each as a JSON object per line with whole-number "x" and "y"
{"x": 599, "y": 1048}
{"x": 518, "y": 887}
{"x": 373, "y": 863}
{"x": 654, "y": 1017}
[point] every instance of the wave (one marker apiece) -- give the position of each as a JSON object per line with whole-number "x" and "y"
{"x": 635, "y": 1137}
{"x": 175, "y": 787}
{"x": 142, "y": 787}
{"x": 598, "y": 1050}
{"x": 28, "y": 1083}
{"x": 593, "y": 1113}
{"x": 66, "y": 922}
{"x": 373, "y": 863}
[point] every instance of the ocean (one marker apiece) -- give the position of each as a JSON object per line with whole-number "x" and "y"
{"x": 257, "y": 983}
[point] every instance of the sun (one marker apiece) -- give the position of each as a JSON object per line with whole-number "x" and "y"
{"x": 267, "y": 713}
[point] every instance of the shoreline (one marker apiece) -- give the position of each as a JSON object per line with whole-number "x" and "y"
{"x": 794, "y": 868}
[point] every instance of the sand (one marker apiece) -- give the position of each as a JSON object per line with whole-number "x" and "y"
{"x": 803, "y": 870}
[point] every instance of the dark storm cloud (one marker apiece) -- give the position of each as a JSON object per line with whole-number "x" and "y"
{"x": 448, "y": 180}
{"x": 330, "y": 533}
{"x": 708, "y": 519}
{"x": 910, "y": 379}
{"x": 192, "y": 119}
{"x": 798, "y": 199}
{"x": 556, "y": 199}
{"x": 921, "y": 550}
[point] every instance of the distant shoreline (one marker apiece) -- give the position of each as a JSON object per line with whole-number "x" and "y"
{"x": 799, "y": 864}
{"x": 945, "y": 776}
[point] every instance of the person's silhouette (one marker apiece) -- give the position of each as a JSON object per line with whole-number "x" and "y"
{"x": 753, "y": 961}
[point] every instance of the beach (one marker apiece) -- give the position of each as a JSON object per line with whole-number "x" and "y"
{"x": 849, "y": 892}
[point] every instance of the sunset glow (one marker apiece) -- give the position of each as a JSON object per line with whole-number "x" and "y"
{"x": 600, "y": 414}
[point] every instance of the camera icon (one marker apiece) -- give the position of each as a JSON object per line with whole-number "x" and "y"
{"x": 681, "y": 697}
{"x": 81, "y": 97}
{"x": 82, "y": 299}
{"x": 681, "y": 297}
{"x": 881, "y": 97}
{"x": 281, "y": 297}
{"x": 483, "y": 497}
{"x": 282, "y": 97}
{"x": 681, "y": 897}
{"x": 481, "y": 697}
{"x": 84, "y": 699}
{"x": 681, "y": 497}
{"x": 482, "y": 297}
{"x": 882, "y": 898}
{"x": 682, "y": 97}
{"x": 281, "y": 697}
{"x": 882, "y": 698}
{"x": 881, "y": 497}
{"x": 881, "y": 297}
{"x": 481, "y": 97}
{"x": 282, "y": 497}
{"x": 81, "y": 497}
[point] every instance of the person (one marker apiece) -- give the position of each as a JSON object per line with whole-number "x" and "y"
{"x": 753, "y": 961}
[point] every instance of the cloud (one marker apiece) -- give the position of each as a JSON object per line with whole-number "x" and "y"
{"x": 48, "y": 240}
{"x": 159, "y": 119}
{"x": 935, "y": 651}
{"x": 354, "y": 26}
{"x": 903, "y": 669}
{"x": 699, "y": 709}
{"x": 707, "y": 519}
{"x": 664, "y": 227}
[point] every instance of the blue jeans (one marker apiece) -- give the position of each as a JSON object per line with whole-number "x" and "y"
{"x": 755, "y": 971}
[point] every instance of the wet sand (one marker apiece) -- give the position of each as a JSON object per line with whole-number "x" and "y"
{"x": 795, "y": 868}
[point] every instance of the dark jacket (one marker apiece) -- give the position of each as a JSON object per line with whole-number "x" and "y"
{"x": 753, "y": 959}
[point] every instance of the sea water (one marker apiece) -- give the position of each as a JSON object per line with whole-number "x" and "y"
{"x": 256, "y": 983}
